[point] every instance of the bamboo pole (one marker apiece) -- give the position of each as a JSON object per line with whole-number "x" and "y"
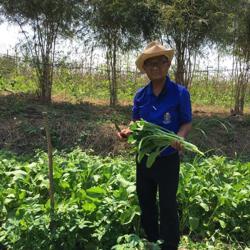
{"x": 51, "y": 179}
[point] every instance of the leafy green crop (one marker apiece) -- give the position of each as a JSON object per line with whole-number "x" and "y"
{"x": 214, "y": 197}
{"x": 150, "y": 140}
{"x": 96, "y": 205}
{"x": 94, "y": 199}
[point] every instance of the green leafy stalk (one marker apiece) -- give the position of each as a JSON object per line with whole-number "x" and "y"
{"x": 150, "y": 140}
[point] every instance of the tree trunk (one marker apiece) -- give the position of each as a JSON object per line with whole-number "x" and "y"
{"x": 236, "y": 99}
{"x": 45, "y": 82}
{"x": 179, "y": 74}
{"x": 113, "y": 83}
{"x": 45, "y": 52}
{"x": 180, "y": 63}
{"x": 240, "y": 86}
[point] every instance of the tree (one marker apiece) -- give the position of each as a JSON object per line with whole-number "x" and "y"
{"x": 121, "y": 26}
{"x": 48, "y": 19}
{"x": 233, "y": 35}
{"x": 187, "y": 24}
{"x": 240, "y": 33}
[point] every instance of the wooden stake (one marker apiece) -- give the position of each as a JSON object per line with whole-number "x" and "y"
{"x": 51, "y": 179}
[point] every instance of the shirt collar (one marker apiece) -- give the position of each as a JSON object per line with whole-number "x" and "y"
{"x": 164, "y": 90}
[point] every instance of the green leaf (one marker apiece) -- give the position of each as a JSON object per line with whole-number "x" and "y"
{"x": 140, "y": 156}
{"x": 17, "y": 174}
{"x": 96, "y": 193}
{"x": 193, "y": 222}
{"x": 131, "y": 189}
{"x": 151, "y": 159}
{"x": 128, "y": 215}
{"x": 64, "y": 184}
{"x": 89, "y": 207}
{"x": 222, "y": 223}
{"x": 204, "y": 206}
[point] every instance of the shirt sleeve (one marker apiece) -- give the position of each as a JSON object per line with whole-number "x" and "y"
{"x": 185, "y": 107}
{"x": 135, "y": 110}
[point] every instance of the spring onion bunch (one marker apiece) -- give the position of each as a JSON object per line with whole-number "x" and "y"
{"x": 150, "y": 140}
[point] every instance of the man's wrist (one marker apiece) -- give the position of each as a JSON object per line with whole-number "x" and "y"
{"x": 182, "y": 134}
{"x": 184, "y": 130}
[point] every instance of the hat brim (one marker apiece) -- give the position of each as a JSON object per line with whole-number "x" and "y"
{"x": 144, "y": 56}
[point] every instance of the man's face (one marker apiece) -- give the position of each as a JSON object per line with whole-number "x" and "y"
{"x": 157, "y": 67}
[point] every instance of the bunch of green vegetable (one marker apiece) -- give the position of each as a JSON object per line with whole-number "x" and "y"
{"x": 150, "y": 140}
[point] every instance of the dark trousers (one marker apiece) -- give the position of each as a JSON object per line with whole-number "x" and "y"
{"x": 163, "y": 175}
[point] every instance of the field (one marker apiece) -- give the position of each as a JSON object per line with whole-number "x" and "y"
{"x": 95, "y": 202}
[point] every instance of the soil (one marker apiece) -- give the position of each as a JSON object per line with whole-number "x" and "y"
{"x": 90, "y": 126}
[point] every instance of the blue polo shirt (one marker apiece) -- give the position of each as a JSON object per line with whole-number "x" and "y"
{"x": 170, "y": 109}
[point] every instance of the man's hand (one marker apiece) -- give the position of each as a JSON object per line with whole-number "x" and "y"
{"x": 124, "y": 133}
{"x": 177, "y": 145}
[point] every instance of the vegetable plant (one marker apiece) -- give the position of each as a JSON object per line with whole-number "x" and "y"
{"x": 150, "y": 140}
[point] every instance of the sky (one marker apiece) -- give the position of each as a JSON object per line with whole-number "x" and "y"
{"x": 11, "y": 35}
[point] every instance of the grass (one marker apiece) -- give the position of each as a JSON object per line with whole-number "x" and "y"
{"x": 74, "y": 86}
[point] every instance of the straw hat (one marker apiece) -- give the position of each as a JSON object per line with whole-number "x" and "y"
{"x": 153, "y": 49}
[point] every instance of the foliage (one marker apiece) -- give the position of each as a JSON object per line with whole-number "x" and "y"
{"x": 96, "y": 201}
{"x": 214, "y": 195}
{"x": 233, "y": 30}
{"x": 7, "y": 65}
{"x": 120, "y": 26}
{"x": 123, "y": 22}
{"x": 18, "y": 83}
{"x": 47, "y": 19}
{"x": 132, "y": 242}
{"x": 213, "y": 92}
{"x": 93, "y": 202}
{"x": 233, "y": 35}
{"x": 77, "y": 86}
{"x": 187, "y": 25}
{"x": 150, "y": 140}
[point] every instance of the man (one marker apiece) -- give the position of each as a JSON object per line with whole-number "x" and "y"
{"x": 167, "y": 104}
